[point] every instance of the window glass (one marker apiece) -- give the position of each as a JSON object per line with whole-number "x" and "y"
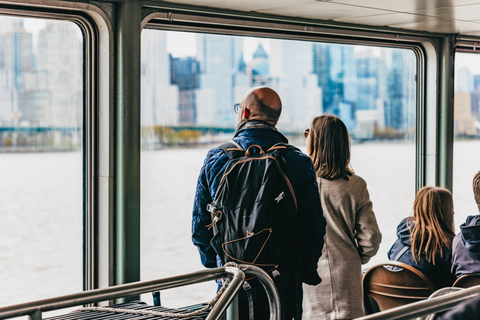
{"x": 467, "y": 134}
{"x": 41, "y": 114}
{"x": 190, "y": 83}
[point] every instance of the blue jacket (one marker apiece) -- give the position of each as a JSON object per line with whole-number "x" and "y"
{"x": 438, "y": 273}
{"x": 302, "y": 176}
{"x": 466, "y": 248}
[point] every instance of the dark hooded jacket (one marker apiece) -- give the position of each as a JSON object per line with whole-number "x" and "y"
{"x": 309, "y": 232}
{"x": 466, "y": 248}
{"x": 311, "y": 229}
{"x": 438, "y": 273}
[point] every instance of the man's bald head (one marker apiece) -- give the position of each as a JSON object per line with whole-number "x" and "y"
{"x": 263, "y": 103}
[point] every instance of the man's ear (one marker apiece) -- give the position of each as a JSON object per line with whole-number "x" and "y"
{"x": 246, "y": 114}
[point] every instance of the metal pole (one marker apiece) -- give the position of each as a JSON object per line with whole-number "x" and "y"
{"x": 34, "y": 308}
{"x": 425, "y": 307}
{"x": 37, "y": 315}
{"x": 269, "y": 286}
{"x": 126, "y": 237}
{"x": 446, "y": 114}
{"x": 232, "y": 310}
{"x": 227, "y": 297}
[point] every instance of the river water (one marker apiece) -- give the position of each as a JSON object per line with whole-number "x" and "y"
{"x": 41, "y": 214}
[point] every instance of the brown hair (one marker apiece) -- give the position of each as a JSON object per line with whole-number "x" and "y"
{"x": 433, "y": 227}
{"x": 329, "y": 147}
{"x": 476, "y": 188}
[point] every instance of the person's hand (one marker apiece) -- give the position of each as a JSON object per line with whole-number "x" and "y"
{"x": 311, "y": 278}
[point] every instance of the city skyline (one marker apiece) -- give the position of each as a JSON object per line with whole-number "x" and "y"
{"x": 370, "y": 88}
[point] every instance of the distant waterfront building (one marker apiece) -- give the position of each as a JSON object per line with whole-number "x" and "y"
{"x": 367, "y": 80}
{"x": 291, "y": 69}
{"x": 222, "y": 71}
{"x": 400, "y": 103}
{"x": 336, "y": 71}
{"x": 16, "y": 61}
{"x": 185, "y": 73}
{"x": 366, "y": 123}
{"x": 464, "y": 121}
{"x": 260, "y": 62}
{"x": 57, "y": 86}
{"x": 463, "y": 80}
{"x": 476, "y": 82}
{"x": 159, "y": 98}
{"x": 346, "y": 112}
{"x": 476, "y": 104}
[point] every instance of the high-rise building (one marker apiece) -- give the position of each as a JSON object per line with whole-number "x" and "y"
{"x": 59, "y": 77}
{"x": 222, "y": 74}
{"x": 463, "y": 80}
{"x": 476, "y": 82}
{"x": 185, "y": 74}
{"x": 17, "y": 70}
{"x": 291, "y": 68}
{"x": 400, "y": 107}
{"x": 159, "y": 97}
{"x": 464, "y": 121}
{"x": 336, "y": 70}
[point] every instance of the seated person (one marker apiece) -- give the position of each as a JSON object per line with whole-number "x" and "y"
{"x": 467, "y": 310}
{"x": 425, "y": 240}
{"x": 466, "y": 244}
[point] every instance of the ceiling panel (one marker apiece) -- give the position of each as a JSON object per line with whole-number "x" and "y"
{"x": 443, "y": 16}
{"x": 244, "y": 5}
{"x": 323, "y": 10}
{"x": 462, "y": 13}
{"x": 407, "y": 5}
{"x": 392, "y": 19}
{"x": 441, "y": 27}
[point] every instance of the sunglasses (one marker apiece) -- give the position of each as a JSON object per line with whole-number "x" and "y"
{"x": 306, "y": 133}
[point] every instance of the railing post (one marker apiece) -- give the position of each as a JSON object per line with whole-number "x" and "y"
{"x": 232, "y": 310}
{"x": 37, "y": 315}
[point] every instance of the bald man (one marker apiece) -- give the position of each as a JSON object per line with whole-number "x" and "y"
{"x": 258, "y": 114}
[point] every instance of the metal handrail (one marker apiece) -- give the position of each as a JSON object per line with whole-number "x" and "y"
{"x": 34, "y": 309}
{"x": 424, "y": 307}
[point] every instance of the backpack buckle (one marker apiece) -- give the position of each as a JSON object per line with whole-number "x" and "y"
{"x": 210, "y": 208}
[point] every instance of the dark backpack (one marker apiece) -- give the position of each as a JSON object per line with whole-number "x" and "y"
{"x": 255, "y": 208}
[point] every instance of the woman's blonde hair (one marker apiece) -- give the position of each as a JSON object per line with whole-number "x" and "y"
{"x": 433, "y": 228}
{"x": 329, "y": 147}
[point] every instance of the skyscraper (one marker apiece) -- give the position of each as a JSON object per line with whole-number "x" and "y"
{"x": 185, "y": 74}
{"x": 291, "y": 67}
{"x": 400, "y": 109}
{"x": 16, "y": 63}
{"x": 59, "y": 77}
{"x": 222, "y": 70}
{"x": 159, "y": 98}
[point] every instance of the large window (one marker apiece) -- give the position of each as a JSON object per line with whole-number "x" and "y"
{"x": 189, "y": 85}
{"x": 467, "y": 134}
{"x": 41, "y": 196}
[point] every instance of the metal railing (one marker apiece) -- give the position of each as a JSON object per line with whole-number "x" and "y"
{"x": 425, "y": 307}
{"x": 34, "y": 309}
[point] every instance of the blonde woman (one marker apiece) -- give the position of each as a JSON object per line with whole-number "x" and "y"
{"x": 352, "y": 235}
{"x": 425, "y": 240}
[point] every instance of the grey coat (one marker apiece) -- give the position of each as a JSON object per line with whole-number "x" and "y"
{"x": 351, "y": 239}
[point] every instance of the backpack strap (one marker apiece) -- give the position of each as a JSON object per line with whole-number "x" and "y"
{"x": 232, "y": 149}
{"x": 400, "y": 253}
{"x": 281, "y": 147}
